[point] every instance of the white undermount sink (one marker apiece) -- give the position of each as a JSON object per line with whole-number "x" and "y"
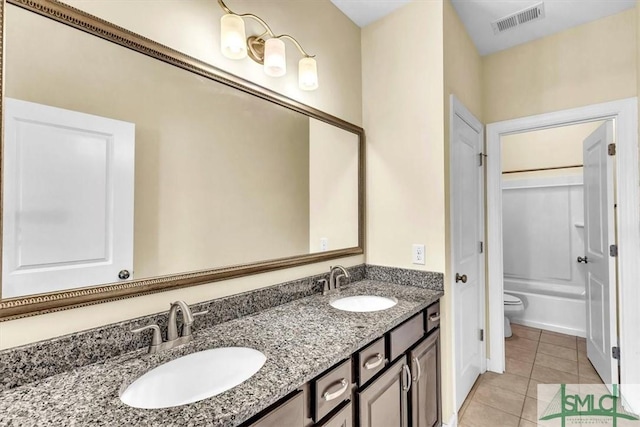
{"x": 363, "y": 303}
{"x": 194, "y": 377}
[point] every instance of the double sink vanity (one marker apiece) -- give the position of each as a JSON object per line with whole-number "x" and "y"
{"x": 228, "y": 179}
{"x": 296, "y": 364}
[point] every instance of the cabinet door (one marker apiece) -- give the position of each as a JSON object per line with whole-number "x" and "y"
{"x": 425, "y": 389}
{"x": 384, "y": 402}
{"x": 289, "y": 413}
{"x": 343, "y": 418}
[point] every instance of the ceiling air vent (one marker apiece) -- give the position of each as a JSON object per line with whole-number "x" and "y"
{"x": 529, "y": 14}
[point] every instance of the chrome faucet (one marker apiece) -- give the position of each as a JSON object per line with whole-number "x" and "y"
{"x": 334, "y": 279}
{"x": 173, "y": 339}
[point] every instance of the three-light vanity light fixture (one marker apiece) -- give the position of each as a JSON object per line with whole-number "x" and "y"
{"x": 267, "y": 49}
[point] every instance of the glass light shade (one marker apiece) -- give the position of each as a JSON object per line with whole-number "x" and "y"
{"x": 232, "y": 37}
{"x": 275, "y": 60}
{"x": 308, "y": 74}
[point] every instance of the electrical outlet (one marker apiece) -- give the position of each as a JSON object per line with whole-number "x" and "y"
{"x": 324, "y": 244}
{"x": 418, "y": 254}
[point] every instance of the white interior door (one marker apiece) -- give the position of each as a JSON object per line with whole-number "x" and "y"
{"x": 467, "y": 261}
{"x": 68, "y": 199}
{"x": 599, "y": 223}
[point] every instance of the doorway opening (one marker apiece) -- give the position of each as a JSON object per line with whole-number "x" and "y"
{"x": 543, "y": 228}
{"x": 502, "y": 266}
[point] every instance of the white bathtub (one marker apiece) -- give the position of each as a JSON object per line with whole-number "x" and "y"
{"x": 543, "y": 232}
{"x": 563, "y": 312}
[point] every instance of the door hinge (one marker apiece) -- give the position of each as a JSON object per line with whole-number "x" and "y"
{"x": 481, "y": 247}
{"x": 480, "y": 156}
{"x": 613, "y": 250}
{"x": 615, "y": 353}
{"x": 481, "y": 334}
{"x": 612, "y": 149}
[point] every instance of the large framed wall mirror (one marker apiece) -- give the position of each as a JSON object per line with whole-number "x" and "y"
{"x": 130, "y": 168}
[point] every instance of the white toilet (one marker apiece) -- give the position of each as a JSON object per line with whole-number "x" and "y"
{"x": 512, "y": 307}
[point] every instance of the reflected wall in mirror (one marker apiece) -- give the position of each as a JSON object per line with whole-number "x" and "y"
{"x": 120, "y": 167}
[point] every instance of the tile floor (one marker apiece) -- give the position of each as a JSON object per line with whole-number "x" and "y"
{"x": 532, "y": 357}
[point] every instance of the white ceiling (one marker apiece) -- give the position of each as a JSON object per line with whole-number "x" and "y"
{"x": 364, "y": 12}
{"x": 477, "y": 16}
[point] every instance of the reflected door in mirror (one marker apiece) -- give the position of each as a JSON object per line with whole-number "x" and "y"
{"x": 68, "y": 205}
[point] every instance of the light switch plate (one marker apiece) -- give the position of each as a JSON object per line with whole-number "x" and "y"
{"x": 324, "y": 244}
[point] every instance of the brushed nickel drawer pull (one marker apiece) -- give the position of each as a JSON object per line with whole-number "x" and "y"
{"x": 373, "y": 362}
{"x": 344, "y": 385}
{"x": 434, "y": 317}
{"x": 406, "y": 378}
{"x": 419, "y": 373}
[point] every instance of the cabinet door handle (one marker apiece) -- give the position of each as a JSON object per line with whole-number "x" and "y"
{"x": 460, "y": 278}
{"x": 581, "y": 259}
{"x": 419, "y": 373}
{"x": 344, "y": 385}
{"x": 407, "y": 378}
{"x": 434, "y": 317}
{"x": 373, "y": 362}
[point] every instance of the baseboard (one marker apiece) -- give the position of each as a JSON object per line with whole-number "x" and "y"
{"x": 453, "y": 421}
{"x": 552, "y": 328}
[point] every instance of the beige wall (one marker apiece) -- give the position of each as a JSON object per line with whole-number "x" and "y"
{"x": 638, "y": 54}
{"x": 193, "y": 27}
{"x": 333, "y": 186}
{"x": 547, "y": 148}
{"x": 462, "y": 78}
{"x": 221, "y": 177}
{"x": 588, "y": 64}
{"x": 403, "y": 119}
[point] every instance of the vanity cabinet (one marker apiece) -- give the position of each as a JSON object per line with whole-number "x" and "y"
{"x": 288, "y": 412}
{"x": 343, "y": 418}
{"x": 425, "y": 385}
{"x": 394, "y": 381}
{"x": 370, "y": 361}
{"x": 383, "y": 403}
{"x": 330, "y": 389}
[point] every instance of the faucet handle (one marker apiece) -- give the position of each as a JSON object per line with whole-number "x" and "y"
{"x": 325, "y": 285}
{"x": 156, "y": 339}
{"x": 186, "y": 328}
{"x": 200, "y": 313}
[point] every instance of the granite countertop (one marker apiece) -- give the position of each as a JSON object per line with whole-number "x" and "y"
{"x": 301, "y": 339}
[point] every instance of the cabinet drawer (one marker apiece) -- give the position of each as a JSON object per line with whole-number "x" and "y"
{"x": 370, "y": 360}
{"x": 288, "y": 413}
{"x": 405, "y": 335}
{"x": 433, "y": 316}
{"x": 331, "y": 389}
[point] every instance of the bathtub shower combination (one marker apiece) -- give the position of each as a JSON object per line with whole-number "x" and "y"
{"x": 543, "y": 232}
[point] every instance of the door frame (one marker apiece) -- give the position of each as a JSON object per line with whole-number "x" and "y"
{"x": 457, "y": 108}
{"x": 625, "y": 113}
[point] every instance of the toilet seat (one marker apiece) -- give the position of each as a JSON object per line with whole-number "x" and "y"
{"x": 513, "y": 306}
{"x": 511, "y": 300}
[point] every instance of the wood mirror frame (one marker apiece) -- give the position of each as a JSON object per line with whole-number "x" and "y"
{"x": 30, "y": 305}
